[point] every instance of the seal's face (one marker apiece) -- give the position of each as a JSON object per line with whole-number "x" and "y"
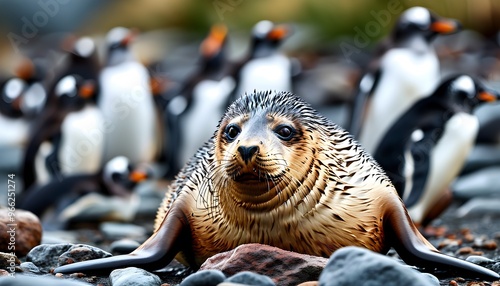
{"x": 261, "y": 150}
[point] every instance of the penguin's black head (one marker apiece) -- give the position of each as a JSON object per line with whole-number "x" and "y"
{"x": 121, "y": 176}
{"x": 421, "y": 21}
{"x": 118, "y": 41}
{"x": 72, "y": 91}
{"x": 212, "y": 49}
{"x": 466, "y": 92}
{"x": 267, "y": 37}
{"x": 10, "y": 102}
{"x": 79, "y": 48}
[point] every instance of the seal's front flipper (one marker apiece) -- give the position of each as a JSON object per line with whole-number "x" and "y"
{"x": 155, "y": 253}
{"x": 414, "y": 249}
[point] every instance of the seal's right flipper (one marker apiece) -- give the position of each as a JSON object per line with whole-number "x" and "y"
{"x": 414, "y": 249}
{"x": 155, "y": 253}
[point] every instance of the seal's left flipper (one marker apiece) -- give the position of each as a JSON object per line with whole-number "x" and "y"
{"x": 414, "y": 249}
{"x": 155, "y": 253}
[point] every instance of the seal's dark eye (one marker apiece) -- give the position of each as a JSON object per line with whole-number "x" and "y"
{"x": 232, "y": 131}
{"x": 284, "y": 132}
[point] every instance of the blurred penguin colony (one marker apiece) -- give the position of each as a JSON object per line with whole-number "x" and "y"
{"x": 85, "y": 120}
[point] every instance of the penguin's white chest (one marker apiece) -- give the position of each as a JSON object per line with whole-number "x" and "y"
{"x": 199, "y": 122}
{"x": 129, "y": 113}
{"x": 447, "y": 159}
{"x": 267, "y": 73}
{"x": 82, "y": 141}
{"x": 406, "y": 77}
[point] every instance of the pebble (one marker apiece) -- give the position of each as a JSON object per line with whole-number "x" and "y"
{"x": 481, "y": 260}
{"x": 351, "y": 265}
{"x": 123, "y": 246}
{"x": 481, "y": 183}
{"x": 21, "y": 238}
{"x": 132, "y": 276}
{"x": 48, "y": 256}
{"x": 204, "y": 278}
{"x": 8, "y": 260}
{"x": 251, "y": 278}
{"x": 115, "y": 230}
{"x": 25, "y": 280}
{"x": 30, "y": 267}
{"x": 479, "y": 207}
{"x": 482, "y": 156}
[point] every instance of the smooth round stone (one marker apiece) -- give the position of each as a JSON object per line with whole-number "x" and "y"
{"x": 114, "y": 230}
{"x": 132, "y": 276}
{"x": 204, "y": 278}
{"x": 30, "y": 267}
{"x": 481, "y": 260}
{"x": 124, "y": 246}
{"x": 250, "y": 278}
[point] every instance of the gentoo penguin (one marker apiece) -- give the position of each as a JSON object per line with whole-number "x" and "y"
{"x": 403, "y": 70}
{"x": 193, "y": 114}
{"x": 117, "y": 178}
{"x": 426, "y": 147}
{"x": 126, "y": 102}
{"x": 22, "y": 98}
{"x": 265, "y": 67}
{"x": 67, "y": 138}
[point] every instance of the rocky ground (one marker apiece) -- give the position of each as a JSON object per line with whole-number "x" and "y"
{"x": 472, "y": 237}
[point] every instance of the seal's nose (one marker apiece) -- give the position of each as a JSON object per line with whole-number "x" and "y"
{"x": 247, "y": 152}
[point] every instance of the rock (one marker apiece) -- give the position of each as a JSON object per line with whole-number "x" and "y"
{"x": 250, "y": 278}
{"x": 19, "y": 233}
{"x": 479, "y": 207}
{"x": 204, "y": 278}
{"x": 481, "y": 156}
{"x": 351, "y": 265}
{"x": 283, "y": 267}
{"x": 81, "y": 252}
{"x": 481, "y": 183}
{"x": 59, "y": 236}
{"x": 124, "y": 246}
{"x": 8, "y": 260}
{"x": 132, "y": 276}
{"x": 481, "y": 260}
{"x": 48, "y": 256}
{"x": 25, "y": 280}
{"x": 114, "y": 230}
{"x": 30, "y": 267}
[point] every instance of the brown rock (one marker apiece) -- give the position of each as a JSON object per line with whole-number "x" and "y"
{"x": 309, "y": 283}
{"x": 284, "y": 267}
{"x": 20, "y": 231}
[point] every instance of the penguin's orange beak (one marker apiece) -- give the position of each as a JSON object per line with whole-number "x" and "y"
{"x": 25, "y": 70}
{"x": 445, "y": 26}
{"x": 213, "y": 43}
{"x": 487, "y": 96}
{"x": 278, "y": 33}
{"x": 87, "y": 90}
{"x": 138, "y": 176}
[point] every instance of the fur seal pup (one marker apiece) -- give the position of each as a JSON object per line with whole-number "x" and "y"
{"x": 277, "y": 172}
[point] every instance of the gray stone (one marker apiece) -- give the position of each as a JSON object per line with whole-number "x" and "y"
{"x": 354, "y": 265}
{"x": 481, "y": 183}
{"x": 481, "y": 156}
{"x": 115, "y": 230}
{"x": 123, "y": 246}
{"x": 481, "y": 260}
{"x": 25, "y": 280}
{"x": 81, "y": 252}
{"x": 479, "y": 207}
{"x": 45, "y": 256}
{"x": 204, "y": 278}
{"x": 30, "y": 267}
{"x": 133, "y": 276}
{"x": 251, "y": 278}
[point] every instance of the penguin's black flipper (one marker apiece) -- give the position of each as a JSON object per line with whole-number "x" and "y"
{"x": 52, "y": 160}
{"x": 421, "y": 153}
{"x": 414, "y": 249}
{"x": 366, "y": 87}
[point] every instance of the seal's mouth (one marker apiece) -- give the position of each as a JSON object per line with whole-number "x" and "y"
{"x": 249, "y": 178}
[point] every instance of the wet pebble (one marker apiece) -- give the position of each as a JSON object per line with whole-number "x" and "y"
{"x": 481, "y": 183}
{"x": 8, "y": 260}
{"x": 30, "y": 267}
{"x": 350, "y": 265}
{"x": 481, "y": 260}
{"x": 131, "y": 276}
{"x": 115, "y": 230}
{"x": 25, "y": 280}
{"x": 204, "y": 278}
{"x": 123, "y": 246}
{"x": 250, "y": 278}
{"x": 478, "y": 207}
{"x": 20, "y": 231}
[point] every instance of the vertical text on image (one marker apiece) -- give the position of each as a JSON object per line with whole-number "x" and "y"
{"x": 11, "y": 226}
